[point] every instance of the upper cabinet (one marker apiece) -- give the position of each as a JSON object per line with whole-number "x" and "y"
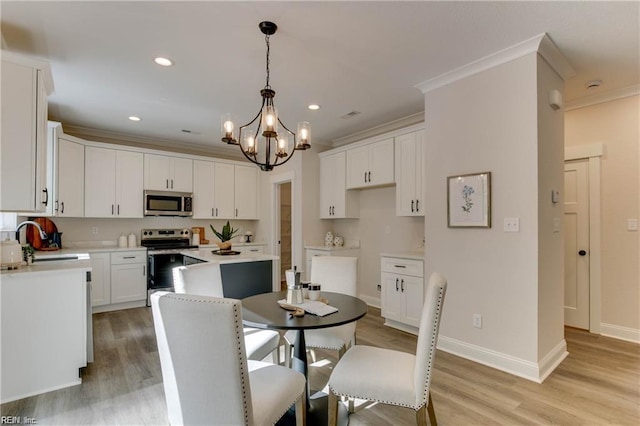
{"x": 113, "y": 183}
{"x": 166, "y": 173}
{"x": 23, "y": 139}
{"x": 409, "y": 174}
{"x": 224, "y": 191}
{"x": 335, "y": 201}
{"x": 69, "y": 187}
{"x": 370, "y": 165}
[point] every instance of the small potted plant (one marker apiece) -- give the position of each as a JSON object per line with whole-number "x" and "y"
{"x": 225, "y": 236}
{"x": 28, "y": 253}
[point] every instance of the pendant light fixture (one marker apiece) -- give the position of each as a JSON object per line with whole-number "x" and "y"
{"x": 265, "y": 140}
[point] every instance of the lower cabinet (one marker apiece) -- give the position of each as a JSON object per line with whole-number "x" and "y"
{"x": 119, "y": 280}
{"x": 402, "y": 292}
{"x": 328, "y": 251}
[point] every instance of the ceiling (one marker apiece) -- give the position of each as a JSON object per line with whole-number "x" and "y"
{"x": 345, "y": 56}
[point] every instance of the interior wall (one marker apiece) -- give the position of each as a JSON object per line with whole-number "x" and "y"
{"x": 487, "y": 123}
{"x": 379, "y": 230}
{"x": 616, "y": 125}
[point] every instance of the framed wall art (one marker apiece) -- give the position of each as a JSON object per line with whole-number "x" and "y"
{"x": 469, "y": 200}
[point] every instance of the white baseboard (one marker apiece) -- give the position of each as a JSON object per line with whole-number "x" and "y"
{"x": 371, "y": 301}
{"x": 535, "y": 372}
{"x": 619, "y": 332}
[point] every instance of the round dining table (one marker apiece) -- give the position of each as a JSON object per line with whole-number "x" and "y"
{"x": 263, "y": 311}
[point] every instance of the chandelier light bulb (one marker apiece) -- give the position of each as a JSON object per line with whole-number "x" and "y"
{"x": 228, "y": 126}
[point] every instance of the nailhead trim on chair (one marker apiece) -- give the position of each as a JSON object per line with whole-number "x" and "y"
{"x": 431, "y": 353}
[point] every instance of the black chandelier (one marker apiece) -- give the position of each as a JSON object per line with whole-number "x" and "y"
{"x": 277, "y": 147}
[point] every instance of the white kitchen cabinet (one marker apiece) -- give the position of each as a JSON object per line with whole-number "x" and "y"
{"x": 224, "y": 191}
{"x": 128, "y": 276}
{"x": 100, "y": 279}
{"x": 370, "y": 165}
{"x": 409, "y": 160}
{"x": 250, "y": 249}
{"x": 167, "y": 173}
{"x": 335, "y": 201}
{"x": 113, "y": 183}
{"x": 23, "y": 140}
{"x": 402, "y": 292}
{"x": 69, "y": 179}
{"x": 246, "y": 192}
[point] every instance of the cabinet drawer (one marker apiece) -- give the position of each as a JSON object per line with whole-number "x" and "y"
{"x": 250, "y": 249}
{"x": 402, "y": 266}
{"x": 124, "y": 257}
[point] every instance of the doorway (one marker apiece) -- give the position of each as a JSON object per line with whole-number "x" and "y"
{"x": 576, "y": 244}
{"x": 285, "y": 230}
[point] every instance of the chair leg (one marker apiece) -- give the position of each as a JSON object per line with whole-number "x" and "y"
{"x": 287, "y": 354}
{"x": 421, "y": 414}
{"x": 313, "y": 355}
{"x": 432, "y": 413}
{"x": 276, "y": 355}
{"x": 301, "y": 410}
{"x": 352, "y": 406}
{"x": 333, "y": 409}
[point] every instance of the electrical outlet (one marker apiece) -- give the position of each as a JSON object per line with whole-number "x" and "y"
{"x": 477, "y": 320}
{"x": 379, "y": 287}
{"x": 511, "y": 224}
{"x": 94, "y": 230}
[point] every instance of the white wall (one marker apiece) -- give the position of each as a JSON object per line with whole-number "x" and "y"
{"x": 616, "y": 125}
{"x": 489, "y": 122}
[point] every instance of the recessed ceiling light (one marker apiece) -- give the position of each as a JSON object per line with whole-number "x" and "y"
{"x": 313, "y": 107}
{"x": 163, "y": 61}
{"x": 134, "y": 118}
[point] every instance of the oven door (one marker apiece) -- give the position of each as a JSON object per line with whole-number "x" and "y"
{"x": 160, "y": 277}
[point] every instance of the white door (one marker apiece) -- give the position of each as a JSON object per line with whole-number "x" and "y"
{"x": 576, "y": 244}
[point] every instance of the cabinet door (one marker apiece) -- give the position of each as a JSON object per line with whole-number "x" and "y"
{"x": 420, "y": 161}
{"x": 43, "y": 192}
{"x": 246, "y": 192}
{"x": 406, "y": 174}
{"x": 100, "y": 279}
{"x": 392, "y": 297}
{"x": 412, "y": 292}
{"x": 18, "y": 139}
{"x": 203, "y": 182}
{"x": 99, "y": 187}
{"x": 129, "y": 184}
{"x": 224, "y": 191}
{"x": 381, "y": 163}
{"x": 357, "y": 167}
{"x": 128, "y": 283}
{"x": 182, "y": 175}
{"x": 327, "y": 185}
{"x": 157, "y": 170}
{"x": 70, "y": 181}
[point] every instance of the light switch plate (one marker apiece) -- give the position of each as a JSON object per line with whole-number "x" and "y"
{"x": 632, "y": 224}
{"x": 511, "y": 224}
{"x": 556, "y": 224}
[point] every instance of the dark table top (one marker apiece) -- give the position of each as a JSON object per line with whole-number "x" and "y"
{"x": 263, "y": 311}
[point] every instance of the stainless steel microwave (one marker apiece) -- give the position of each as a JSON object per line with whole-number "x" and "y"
{"x": 166, "y": 203}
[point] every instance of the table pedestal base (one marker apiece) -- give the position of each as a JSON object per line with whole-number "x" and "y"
{"x": 317, "y": 412}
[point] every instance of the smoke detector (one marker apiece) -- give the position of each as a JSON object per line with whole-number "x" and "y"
{"x": 350, "y": 115}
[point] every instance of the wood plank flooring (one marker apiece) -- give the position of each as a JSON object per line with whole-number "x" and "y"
{"x": 598, "y": 384}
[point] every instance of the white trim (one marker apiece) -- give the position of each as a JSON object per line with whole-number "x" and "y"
{"x": 276, "y": 181}
{"x": 593, "y": 153}
{"x": 32, "y": 62}
{"x": 536, "y": 372}
{"x": 619, "y": 332}
{"x": 599, "y": 98}
{"x": 371, "y": 301}
{"x": 417, "y": 118}
{"x": 402, "y": 326}
{"x": 541, "y": 44}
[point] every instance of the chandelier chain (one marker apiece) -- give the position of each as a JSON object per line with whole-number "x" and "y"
{"x": 266, "y": 39}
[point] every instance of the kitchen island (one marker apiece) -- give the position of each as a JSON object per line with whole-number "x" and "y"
{"x": 45, "y": 328}
{"x": 243, "y": 275}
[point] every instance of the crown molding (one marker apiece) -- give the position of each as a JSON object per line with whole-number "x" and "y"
{"x": 382, "y": 128}
{"x": 540, "y": 44}
{"x": 599, "y": 98}
{"x": 30, "y": 61}
{"x": 116, "y": 138}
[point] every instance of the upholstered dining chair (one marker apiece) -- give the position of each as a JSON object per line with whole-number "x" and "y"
{"x": 205, "y": 372}
{"x": 205, "y": 279}
{"x": 339, "y": 275}
{"x": 393, "y": 377}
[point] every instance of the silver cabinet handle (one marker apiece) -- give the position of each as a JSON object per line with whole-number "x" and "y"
{"x": 417, "y": 205}
{"x": 412, "y": 206}
{"x": 171, "y": 183}
{"x": 118, "y": 209}
{"x": 46, "y": 199}
{"x": 399, "y": 266}
{"x": 396, "y": 284}
{"x": 212, "y": 212}
{"x": 167, "y": 184}
{"x": 402, "y": 285}
{"x": 112, "y": 208}
{"x": 128, "y": 257}
{"x": 56, "y": 208}
{"x": 62, "y": 207}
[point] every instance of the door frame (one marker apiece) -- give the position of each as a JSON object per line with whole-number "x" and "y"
{"x": 296, "y": 225}
{"x": 593, "y": 153}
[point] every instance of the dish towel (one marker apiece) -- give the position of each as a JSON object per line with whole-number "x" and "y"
{"x": 312, "y": 306}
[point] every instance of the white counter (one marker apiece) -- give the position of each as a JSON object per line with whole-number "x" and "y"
{"x": 45, "y": 267}
{"x": 331, "y": 248}
{"x": 206, "y": 255}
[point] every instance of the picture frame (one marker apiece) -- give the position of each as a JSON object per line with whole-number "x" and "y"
{"x": 469, "y": 200}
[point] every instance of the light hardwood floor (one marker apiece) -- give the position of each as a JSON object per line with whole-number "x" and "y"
{"x": 598, "y": 384}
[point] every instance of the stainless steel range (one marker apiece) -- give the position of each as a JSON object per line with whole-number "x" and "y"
{"x": 163, "y": 254}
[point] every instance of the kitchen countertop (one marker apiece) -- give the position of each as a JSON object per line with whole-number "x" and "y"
{"x": 331, "y": 248}
{"x": 416, "y": 255}
{"x": 206, "y": 256}
{"x": 83, "y": 263}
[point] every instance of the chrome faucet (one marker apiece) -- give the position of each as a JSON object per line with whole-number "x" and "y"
{"x": 43, "y": 234}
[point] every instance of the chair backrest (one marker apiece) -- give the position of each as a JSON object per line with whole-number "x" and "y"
{"x": 428, "y": 336}
{"x": 203, "y": 279}
{"x": 203, "y": 359}
{"x": 335, "y": 273}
